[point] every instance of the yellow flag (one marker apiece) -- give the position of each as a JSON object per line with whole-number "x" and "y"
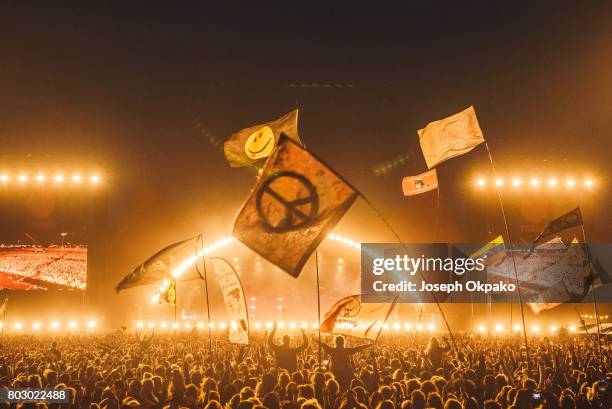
{"x": 449, "y": 137}
{"x": 257, "y": 142}
{"x": 296, "y": 202}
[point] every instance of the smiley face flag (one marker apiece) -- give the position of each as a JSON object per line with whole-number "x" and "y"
{"x": 294, "y": 205}
{"x": 249, "y": 145}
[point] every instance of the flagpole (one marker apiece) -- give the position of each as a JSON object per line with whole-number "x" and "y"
{"x": 318, "y": 304}
{"x": 592, "y": 287}
{"x": 399, "y": 240}
{"x": 210, "y": 343}
{"x": 518, "y": 286}
{"x": 175, "y": 297}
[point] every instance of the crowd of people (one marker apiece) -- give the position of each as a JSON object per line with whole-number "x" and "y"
{"x": 134, "y": 370}
{"x": 64, "y": 266}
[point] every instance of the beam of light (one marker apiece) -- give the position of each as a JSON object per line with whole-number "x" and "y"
{"x": 419, "y": 327}
{"x": 72, "y": 324}
{"x": 22, "y": 178}
{"x": 535, "y": 328}
{"x": 553, "y": 328}
{"x": 499, "y": 328}
{"x": 480, "y": 182}
{"x": 552, "y": 182}
{"x": 407, "y": 326}
{"x": 77, "y": 178}
{"x": 516, "y": 328}
{"x": 40, "y": 178}
{"x": 58, "y": 178}
{"x": 588, "y": 183}
{"x": 151, "y": 325}
{"x": 516, "y": 182}
{"x": 163, "y": 324}
{"x": 175, "y": 325}
{"x": 91, "y": 324}
{"x": 55, "y": 325}
{"x": 570, "y": 183}
{"x": 534, "y": 182}
{"x": 17, "y": 326}
{"x": 481, "y": 328}
{"x": 139, "y": 324}
{"x": 36, "y": 326}
{"x": 200, "y": 325}
{"x": 431, "y": 327}
{"x": 94, "y": 179}
{"x": 5, "y": 178}
{"x": 572, "y": 328}
{"x": 499, "y": 182}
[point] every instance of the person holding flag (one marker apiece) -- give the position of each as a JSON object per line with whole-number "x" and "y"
{"x": 285, "y": 354}
{"x": 340, "y": 355}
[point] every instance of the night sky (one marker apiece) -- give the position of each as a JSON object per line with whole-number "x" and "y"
{"x": 126, "y": 88}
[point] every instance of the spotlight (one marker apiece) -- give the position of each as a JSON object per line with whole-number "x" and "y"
{"x": 396, "y": 326}
{"x": 480, "y": 182}
{"x": 18, "y": 326}
{"x": 77, "y": 178}
{"x": 36, "y": 326}
{"x": 431, "y": 327}
{"x": 151, "y": 325}
{"x": 315, "y": 325}
{"x": 22, "y": 178}
{"x": 570, "y": 183}
{"x": 535, "y": 328}
{"x": 40, "y": 178}
{"x": 516, "y": 182}
{"x": 72, "y": 324}
{"x": 257, "y": 325}
{"x": 223, "y": 325}
{"x": 91, "y": 324}
{"x": 200, "y": 325}
{"x": 499, "y": 328}
{"x": 553, "y": 328}
{"x": 588, "y": 183}
{"x": 163, "y": 324}
{"x": 292, "y": 325}
{"x": 419, "y": 327}
{"x": 516, "y": 328}
{"x": 139, "y": 324}
{"x": 4, "y": 178}
{"x": 407, "y": 326}
{"x": 58, "y": 178}
{"x": 304, "y": 325}
{"x": 572, "y": 328}
{"x": 499, "y": 182}
{"x": 175, "y": 325}
{"x": 55, "y": 325}
{"x": 481, "y": 328}
{"x": 281, "y": 325}
{"x": 534, "y": 182}
{"x": 269, "y": 325}
{"x": 385, "y": 327}
{"x": 187, "y": 325}
{"x": 552, "y": 182}
{"x": 95, "y": 179}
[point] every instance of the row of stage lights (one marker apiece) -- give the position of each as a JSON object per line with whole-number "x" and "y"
{"x": 292, "y": 325}
{"x": 219, "y": 244}
{"x": 535, "y": 328}
{"x": 535, "y": 183}
{"x": 52, "y": 326}
{"x": 43, "y": 179}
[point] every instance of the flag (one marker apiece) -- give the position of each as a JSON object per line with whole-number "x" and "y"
{"x": 3, "y": 307}
{"x": 491, "y": 248}
{"x": 425, "y": 182}
{"x": 449, "y": 137}
{"x": 296, "y": 202}
{"x": 349, "y": 316}
{"x": 171, "y": 262}
{"x": 567, "y": 221}
{"x": 235, "y": 301}
{"x": 249, "y": 145}
{"x": 170, "y": 294}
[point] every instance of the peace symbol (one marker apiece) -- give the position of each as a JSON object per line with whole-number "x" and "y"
{"x": 294, "y": 217}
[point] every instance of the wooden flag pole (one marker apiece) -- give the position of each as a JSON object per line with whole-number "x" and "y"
{"x": 588, "y": 251}
{"x": 518, "y": 286}
{"x": 401, "y": 243}
{"x": 318, "y": 304}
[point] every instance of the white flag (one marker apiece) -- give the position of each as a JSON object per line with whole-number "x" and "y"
{"x": 449, "y": 137}
{"x": 235, "y": 303}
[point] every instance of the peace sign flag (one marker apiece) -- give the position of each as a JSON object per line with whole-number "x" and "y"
{"x": 296, "y": 202}
{"x": 247, "y": 146}
{"x": 567, "y": 221}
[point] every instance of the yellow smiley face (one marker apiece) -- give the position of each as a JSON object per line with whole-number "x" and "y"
{"x": 260, "y": 143}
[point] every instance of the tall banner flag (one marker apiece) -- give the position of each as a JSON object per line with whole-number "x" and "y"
{"x": 425, "y": 182}
{"x": 349, "y": 316}
{"x": 247, "y": 146}
{"x": 567, "y": 221}
{"x": 296, "y": 202}
{"x": 162, "y": 264}
{"x": 235, "y": 301}
{"x": 449, "y": 137}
